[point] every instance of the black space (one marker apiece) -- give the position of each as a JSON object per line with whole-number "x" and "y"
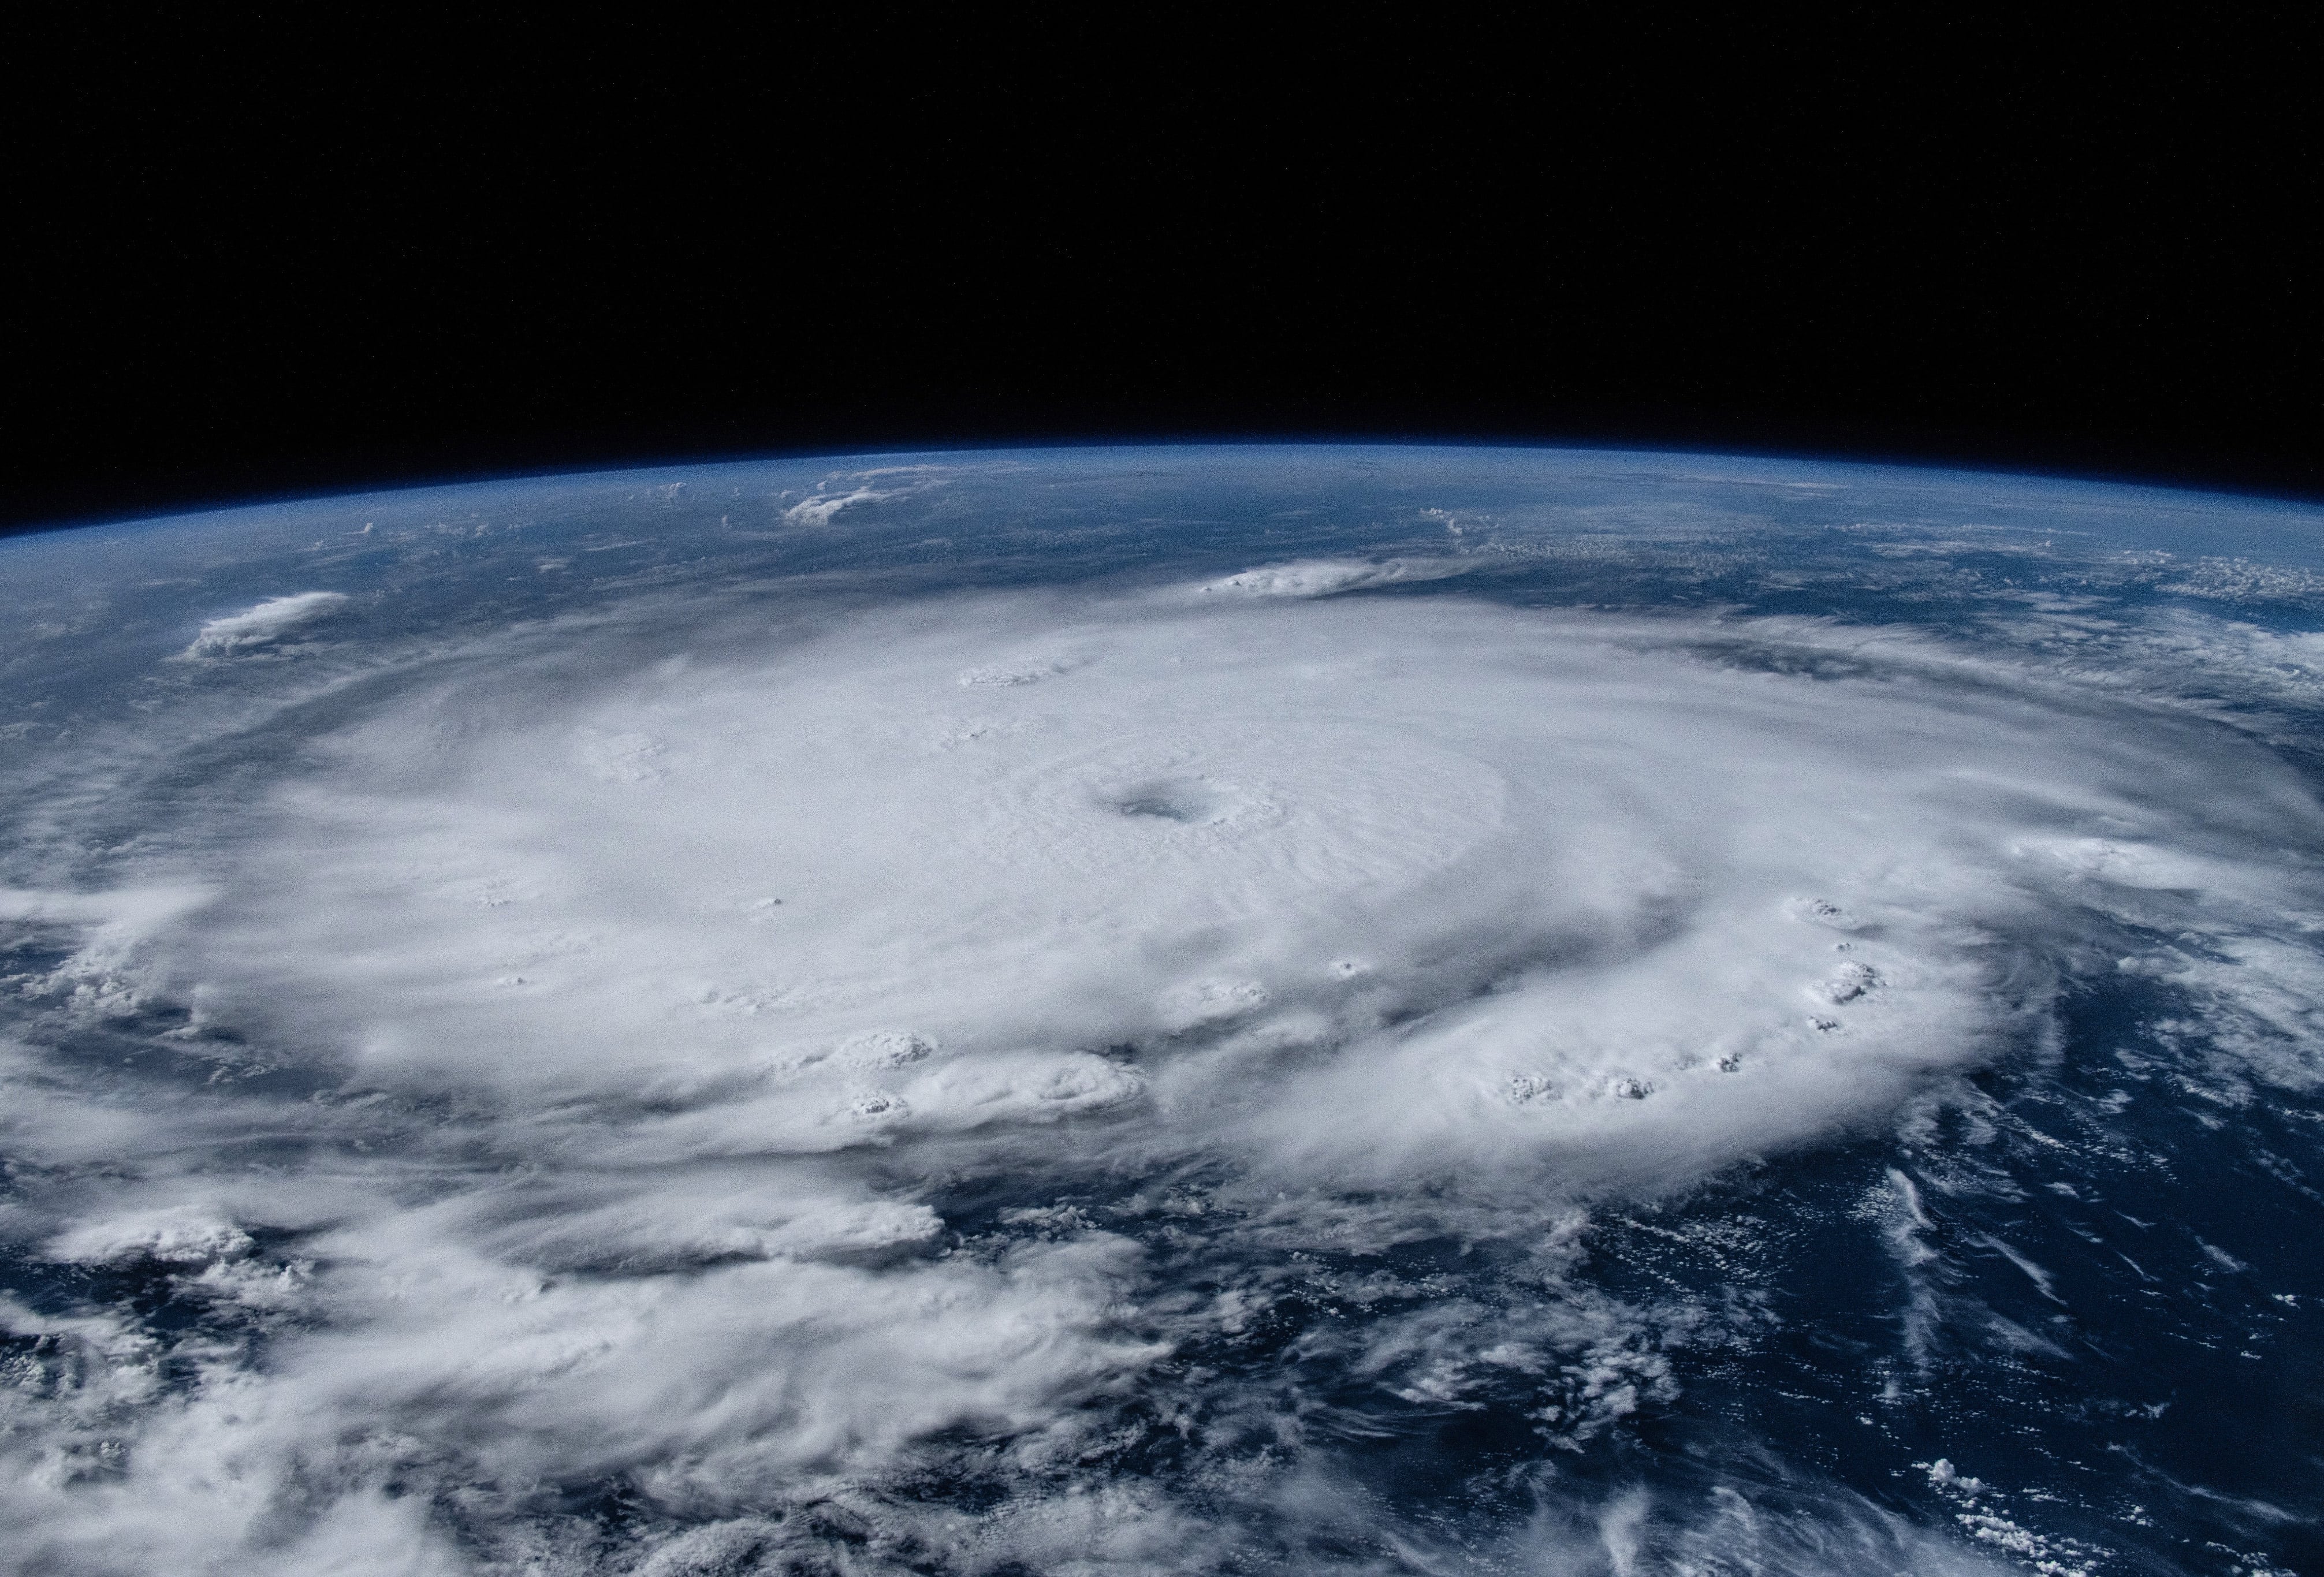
{"x": 250, "y": 259}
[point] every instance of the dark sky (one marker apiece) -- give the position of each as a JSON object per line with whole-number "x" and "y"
{"x": 253, "y": 260}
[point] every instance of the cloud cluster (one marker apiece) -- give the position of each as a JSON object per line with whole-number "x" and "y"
{"x": 819, "y": 510}
{"x": 784, "y": 1074}
{"x": 1323, "y": 578}
{"x": 265, "y": 625}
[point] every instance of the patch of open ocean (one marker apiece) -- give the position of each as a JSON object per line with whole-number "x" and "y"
{"x": 2058, "y": 1313}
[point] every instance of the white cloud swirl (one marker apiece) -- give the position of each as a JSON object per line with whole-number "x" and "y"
{"x": 641, "y": 1027}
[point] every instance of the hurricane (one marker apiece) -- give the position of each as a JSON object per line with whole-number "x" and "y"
{"x": 1171, "y": 1010}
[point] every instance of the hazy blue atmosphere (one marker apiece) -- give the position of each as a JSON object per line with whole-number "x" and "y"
{"x": 1205, "y": 1010}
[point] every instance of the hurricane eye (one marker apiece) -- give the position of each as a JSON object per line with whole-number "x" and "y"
{"x": 1189, "y": 802}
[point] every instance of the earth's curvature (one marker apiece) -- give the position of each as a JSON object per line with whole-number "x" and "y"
{"x": 1168, "y": 1011}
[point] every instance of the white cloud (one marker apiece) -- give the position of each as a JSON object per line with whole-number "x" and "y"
{"x": 819, "y": 510}
{"x": 182, "y": 1235}
{"x": 1322, "y": 578}
{"x": 264, "y": 625}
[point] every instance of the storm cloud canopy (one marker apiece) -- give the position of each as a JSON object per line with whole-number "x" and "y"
{"x": 1162, "y": 1010}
